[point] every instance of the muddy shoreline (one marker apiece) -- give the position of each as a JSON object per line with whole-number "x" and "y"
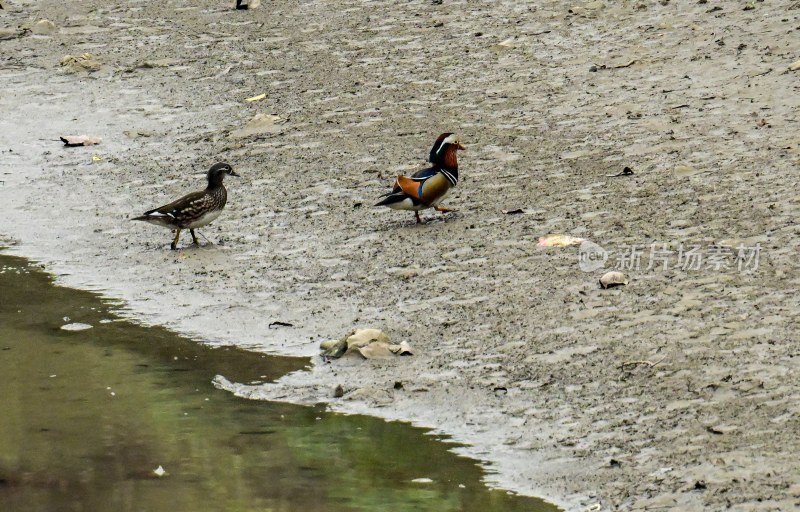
{"x": 678, "y": 390}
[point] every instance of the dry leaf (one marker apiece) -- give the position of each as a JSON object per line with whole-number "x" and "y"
{"x": 795, "y": 66}
{"x": 256, "y": 98}
{"x": 79, "y": 140}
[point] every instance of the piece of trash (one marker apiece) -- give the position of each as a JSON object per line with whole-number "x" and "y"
{"x": 79, "y": 140}
{"x": 422, "y": 481}
{"x": 368, "y": 343}
{"x": 256, "y": 98}
{"x": 279, "y": 324}
{"x": 363, "y": 337}
{"x": 512, "y": 212}
{"x": 76, "y": 326}
{"x": 82, "y": 62}
{"x": 376, "y": 350}
{"x": 559, "y": 241}
{"x": 159, "y": 471}
{"x": 333, "y": 349}
{"x": 403, "y": 349}
{"x": 612, "y": 279}
{"x": 627, "y": 171}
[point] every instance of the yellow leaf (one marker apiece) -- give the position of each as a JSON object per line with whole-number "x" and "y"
{"x": 256, "y": 98}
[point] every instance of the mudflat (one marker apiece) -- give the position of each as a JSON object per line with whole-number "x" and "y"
{"x": 677, "y": 391}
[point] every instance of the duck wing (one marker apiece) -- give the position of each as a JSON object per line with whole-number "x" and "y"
{"x": 185, "y": 209}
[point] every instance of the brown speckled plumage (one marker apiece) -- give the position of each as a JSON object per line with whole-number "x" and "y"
{"x": 193, "y": 210}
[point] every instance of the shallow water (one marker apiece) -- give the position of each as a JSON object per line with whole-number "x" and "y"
{"x": 87, "y": 416}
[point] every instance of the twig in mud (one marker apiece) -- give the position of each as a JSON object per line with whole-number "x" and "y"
{"x": 762, "y": 74}
{"x": 626, "y": 65}
{"x": 279, "y": 324}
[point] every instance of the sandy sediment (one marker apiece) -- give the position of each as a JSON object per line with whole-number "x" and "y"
{"x": 677, "y": 391}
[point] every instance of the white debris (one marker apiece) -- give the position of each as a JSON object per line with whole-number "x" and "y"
{"x": 75, "y": 326}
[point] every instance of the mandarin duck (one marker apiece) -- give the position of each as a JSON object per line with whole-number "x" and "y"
{"x": 193, "y": 210}
{"x": 426, "y": 188}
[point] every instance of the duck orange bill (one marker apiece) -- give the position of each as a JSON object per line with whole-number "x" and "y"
{"x": 461, "y": 146}
{"x": 409, "y": 186}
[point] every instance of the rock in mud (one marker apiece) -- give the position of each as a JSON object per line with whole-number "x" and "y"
{"x": 44, "y": 28}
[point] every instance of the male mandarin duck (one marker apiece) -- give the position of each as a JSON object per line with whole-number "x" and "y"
{"x": 193, "y": 210}
{"x": 426, "y": 188}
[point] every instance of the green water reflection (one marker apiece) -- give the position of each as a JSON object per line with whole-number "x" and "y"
{"x": 85, "y": 418}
